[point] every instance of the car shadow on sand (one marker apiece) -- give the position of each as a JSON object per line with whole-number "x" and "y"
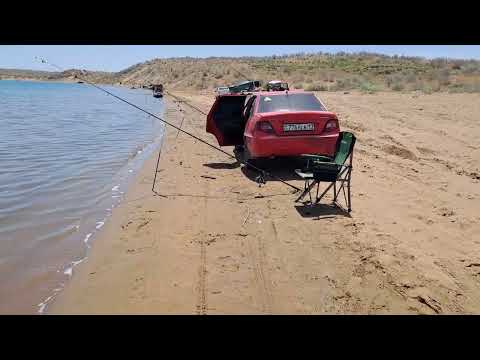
{"x": 281, "y": 168}
{"x": 220, "y": 166}
{"x": 321, "y": 211}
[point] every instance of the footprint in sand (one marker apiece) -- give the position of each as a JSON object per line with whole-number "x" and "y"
{"x": 145, "y": 223}
{"x": 124, "y": 227}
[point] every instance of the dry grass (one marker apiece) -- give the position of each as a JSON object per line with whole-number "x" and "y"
{"x": 317, "y": 72}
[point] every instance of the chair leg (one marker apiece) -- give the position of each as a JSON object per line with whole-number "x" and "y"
{"x": 323, "y": 193}
{"x": 334, "y": 191}
{"x": 348, "y": 191}
{"x": 307, "y": 188}
{"x": 309, "y": 191}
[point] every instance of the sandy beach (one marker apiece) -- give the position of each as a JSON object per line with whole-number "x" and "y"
{"x": 210, "y": 241}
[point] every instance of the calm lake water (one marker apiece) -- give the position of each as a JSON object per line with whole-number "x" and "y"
{"x": 67, "y": 154}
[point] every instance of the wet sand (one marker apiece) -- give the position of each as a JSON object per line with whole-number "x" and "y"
{"x": 212, "y": 242}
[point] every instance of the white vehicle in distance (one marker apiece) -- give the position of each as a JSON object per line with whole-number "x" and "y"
{"x": 277, "y": 85}
{"x": 222, "y": 90}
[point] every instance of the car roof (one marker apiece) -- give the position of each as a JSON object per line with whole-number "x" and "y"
{"x": 268, "y": 93}
{"x": 273, "y": 93}
{"x": 276, "y": 93}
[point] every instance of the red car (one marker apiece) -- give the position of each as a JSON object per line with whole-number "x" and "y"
{"x": 274, "y": 124}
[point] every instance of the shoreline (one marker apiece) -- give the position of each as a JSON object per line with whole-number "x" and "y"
{"x": 136, "y": 191}
{"x": 210, "y": 241}
{"x": 120, "y": 191}
{"x": 93, "y": 224}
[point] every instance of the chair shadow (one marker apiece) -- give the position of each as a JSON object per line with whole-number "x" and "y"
{"x": 322, "y": 211}
{"x": 282, "y": 168}
{"x": 219, "y": 166}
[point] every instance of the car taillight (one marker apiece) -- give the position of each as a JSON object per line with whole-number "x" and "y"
{"x": 331, "y": 125}
{"x": 265, "y": 126}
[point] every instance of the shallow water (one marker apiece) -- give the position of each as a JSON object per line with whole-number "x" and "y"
{"x": 67, "y": 153}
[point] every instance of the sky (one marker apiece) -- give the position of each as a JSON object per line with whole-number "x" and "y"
{"x": 119, "y": 57}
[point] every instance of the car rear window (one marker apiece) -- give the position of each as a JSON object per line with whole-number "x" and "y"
{"x": 290, "y": 102}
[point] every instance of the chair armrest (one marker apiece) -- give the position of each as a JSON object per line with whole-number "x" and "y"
{"x": 317, "y": 157}
{"x": 304, "y": 175}
{"x": 333, "y": 163}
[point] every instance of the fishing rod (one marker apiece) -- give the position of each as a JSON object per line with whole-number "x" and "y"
{"x": 260, "y": 178}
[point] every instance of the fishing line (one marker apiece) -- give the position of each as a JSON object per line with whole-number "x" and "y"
{"x": 246, "y": 78}
{"x": 263, "y": 173}
{"x": 186, "y": 102}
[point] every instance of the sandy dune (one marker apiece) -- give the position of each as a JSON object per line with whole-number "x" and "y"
{"x": 212, "y": 242}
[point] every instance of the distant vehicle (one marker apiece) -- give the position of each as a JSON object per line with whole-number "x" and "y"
{"x": 277, "y": 85}
{"x": 157, "y": 90}
{"x": 222, "y": 90}
{"x": 273, "y": 124}
{"x": 243, "y": 86}
{"x": 248, "y": 85}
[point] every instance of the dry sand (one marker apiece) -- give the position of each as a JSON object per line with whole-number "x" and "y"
{"x": 221, "y": 245}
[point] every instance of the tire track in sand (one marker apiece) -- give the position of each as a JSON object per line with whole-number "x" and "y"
{"x": 202, "y": 281}
{"x": 201, "y": 287}
{"x": 202, "y": 303}
{"x": 257, "y": 257}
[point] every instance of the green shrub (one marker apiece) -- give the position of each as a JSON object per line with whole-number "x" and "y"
{"x": 315, "y": 87}
{"x": 389, "y": 81}
{"x": 418, "y": 86}
{"x": 343, "y": 84}
{"x": 471, "y": 68}
{"x": 398, "y": 87}
{"x": 475, "y": 88}
{"x": 464, "y": 88}
{"x": 368, "y": 87}
{"x": 410, "y": 78}
{"x": 427, "y": 89}
{"x": 436, "y": 86}
{"x": 456, "y": 88}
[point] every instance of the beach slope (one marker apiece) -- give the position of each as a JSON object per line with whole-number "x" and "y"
{"x": 210, "y": 241}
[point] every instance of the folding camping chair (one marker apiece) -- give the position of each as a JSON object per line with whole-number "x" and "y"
{"x": 332, "y": 170}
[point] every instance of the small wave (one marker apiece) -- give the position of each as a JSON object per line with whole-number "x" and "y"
{"x": 87, "y": 237}
{"x": 99, "y": 224}
{"x": 69, "y": 271}
{"x": 115, "y": 188}
{"x": 43, "y": 304}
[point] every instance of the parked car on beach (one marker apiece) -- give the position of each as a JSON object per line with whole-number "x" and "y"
{"x": 274, "y": 124}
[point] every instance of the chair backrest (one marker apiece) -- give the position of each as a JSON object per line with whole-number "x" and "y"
{"x": 346, "y": 141}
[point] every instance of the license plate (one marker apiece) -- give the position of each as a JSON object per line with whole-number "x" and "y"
{"x": 298, "y": 127}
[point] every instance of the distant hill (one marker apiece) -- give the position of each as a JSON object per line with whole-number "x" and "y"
{"x": 365, "y": 71}
{"x": 67, "y": 75}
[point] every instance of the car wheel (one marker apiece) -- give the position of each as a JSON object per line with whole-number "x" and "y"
{"x": 239, "y": 149}
{"x": 257, "y": 163}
